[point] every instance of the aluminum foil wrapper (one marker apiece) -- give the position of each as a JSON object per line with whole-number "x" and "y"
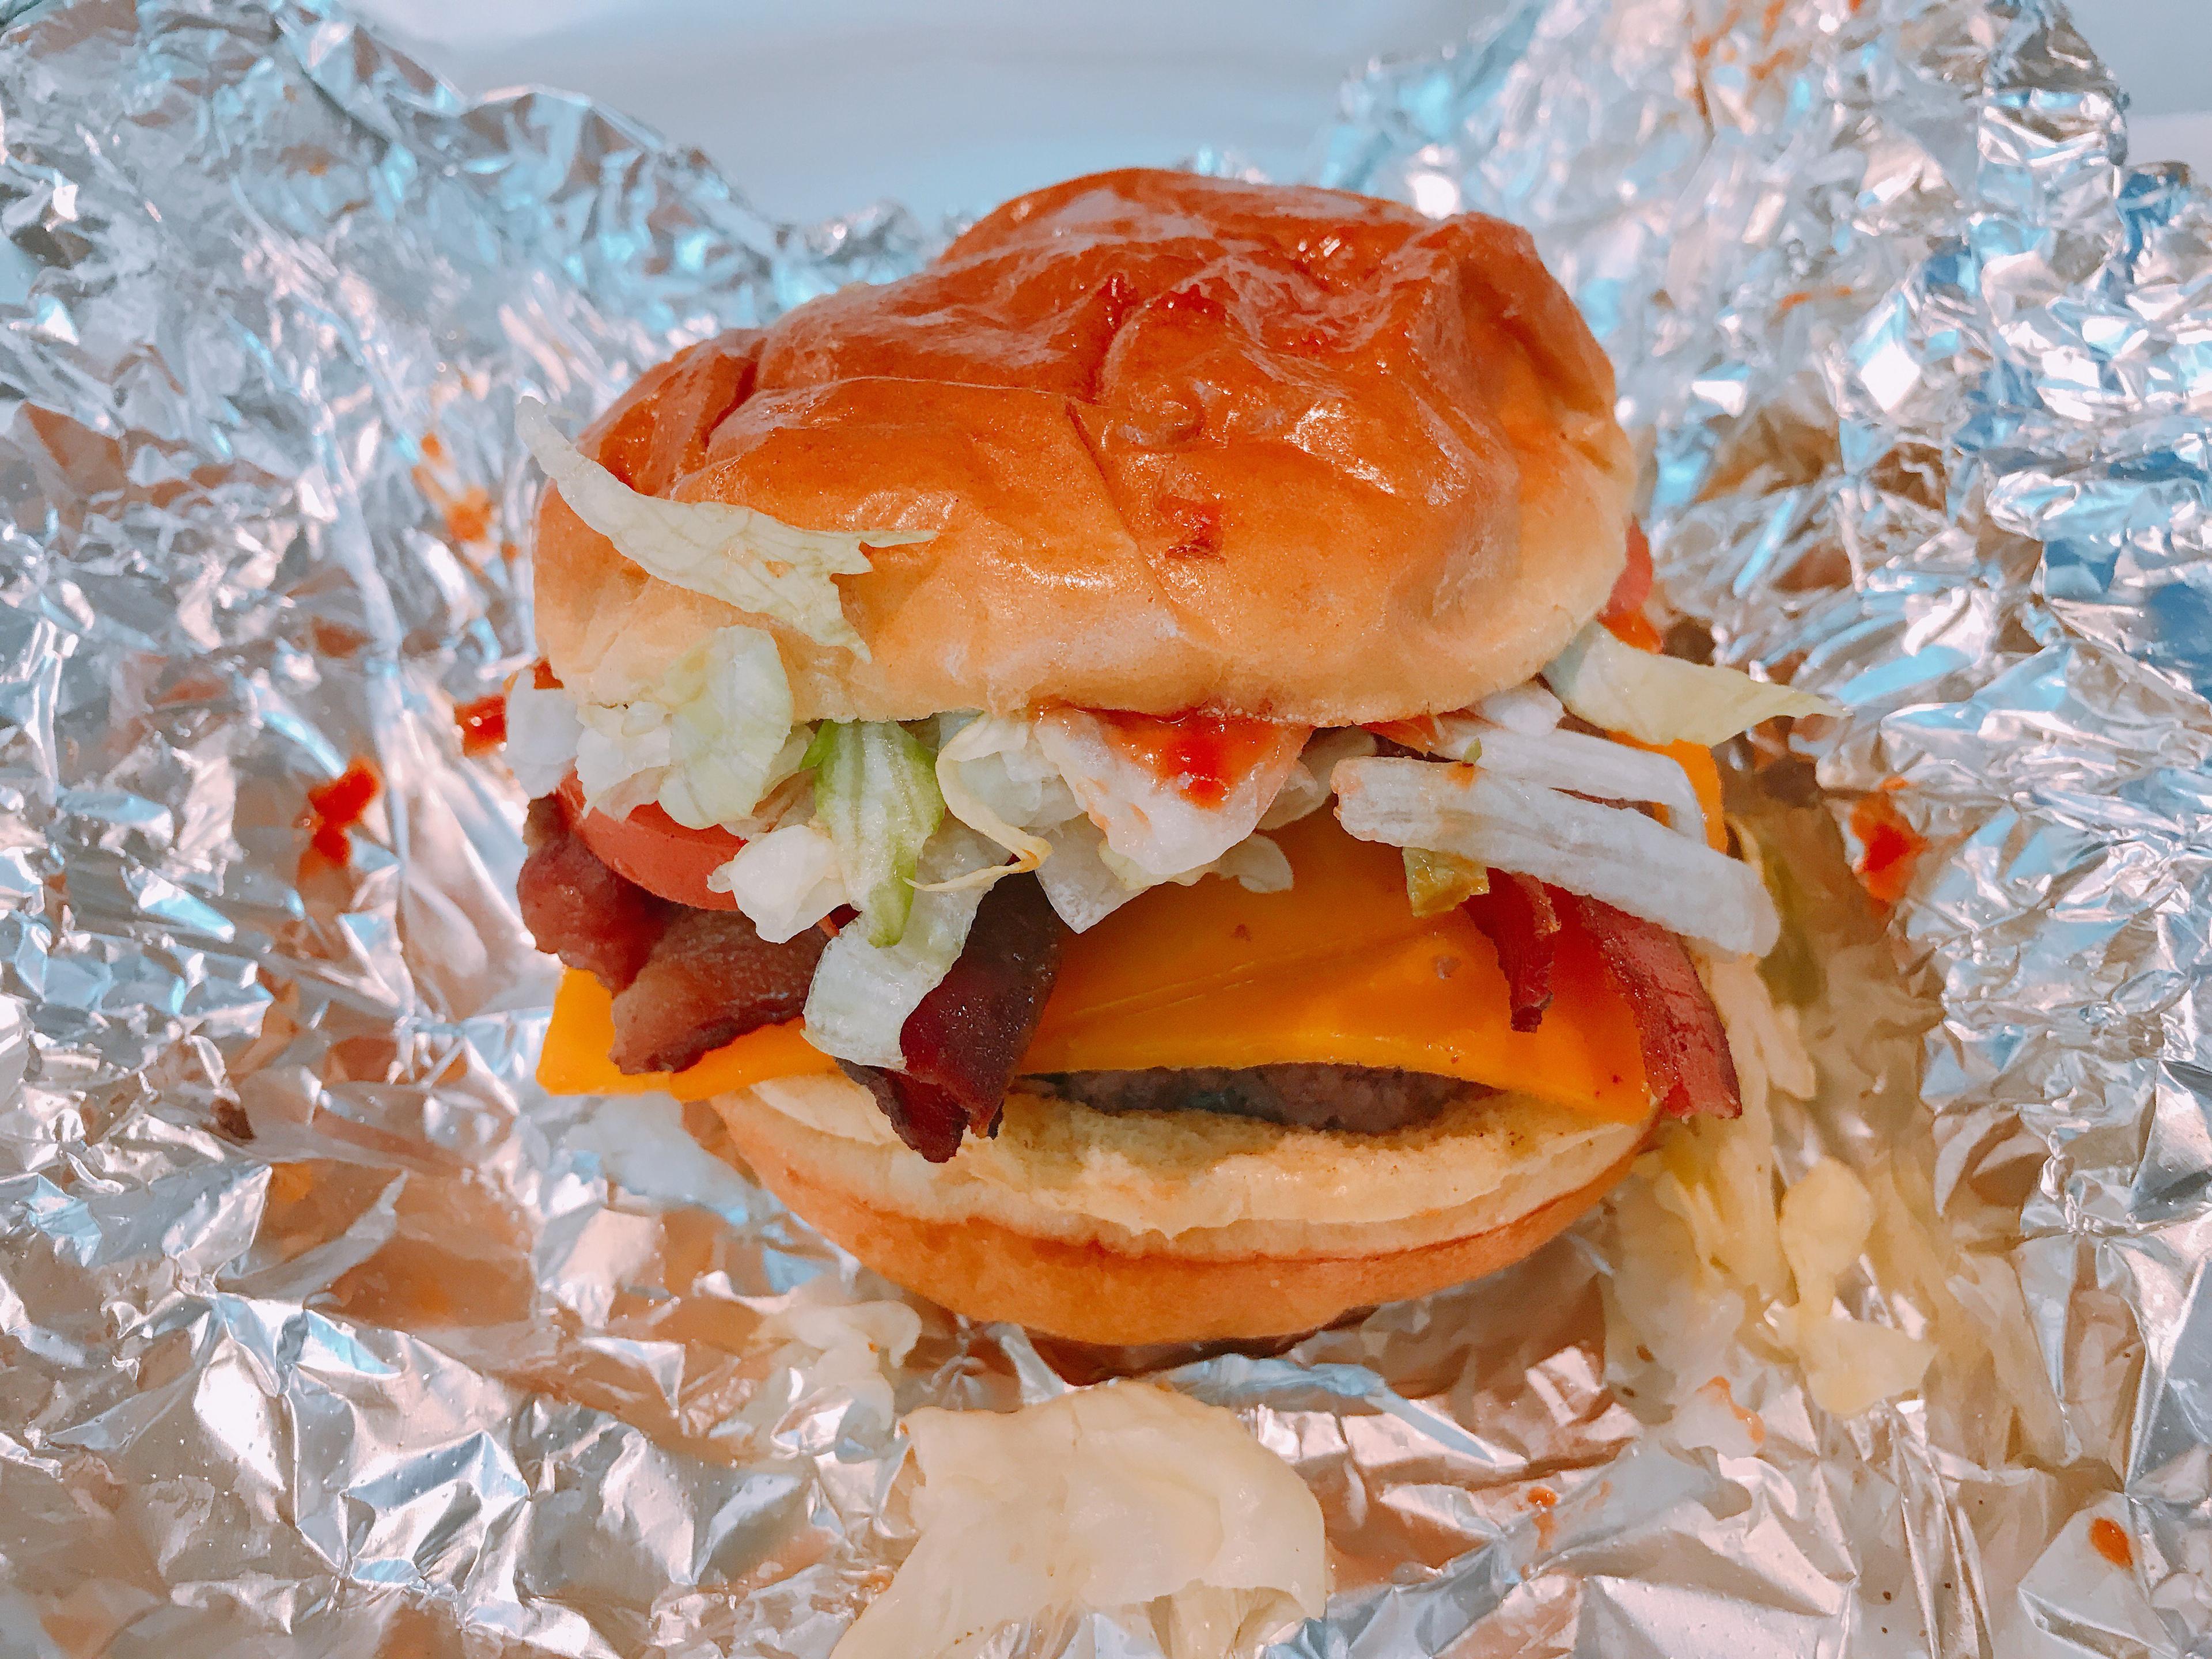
{"x": 323, "y": 1331}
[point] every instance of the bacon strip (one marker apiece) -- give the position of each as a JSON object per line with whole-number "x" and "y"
{"x": 1518, "y": 916}
{"x": 962, "y": 1044}
{"x": 928, "y": 1118}
{"x": 709, "y": 979}
{"x": 1687, "y": 1061}
{"x": 686, "y": 981}
{"x": 577, "y": 909}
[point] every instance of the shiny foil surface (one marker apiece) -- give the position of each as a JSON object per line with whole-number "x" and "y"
{"x": 323, "y": 1331}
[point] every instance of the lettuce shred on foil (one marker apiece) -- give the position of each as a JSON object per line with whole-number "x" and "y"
{"x": 1712, "y": 1243}
{"x": 1828, "y": 1217}
{"x": 1605, "y": 853}
{"x": 1125, "y": 1499}
{"x": 724, "y": 552}
{"x": 1657, "y": 699}
{"x": 875, "y": 790}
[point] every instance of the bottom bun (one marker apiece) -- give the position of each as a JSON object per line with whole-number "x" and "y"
{"x": 1146, "y": 1227}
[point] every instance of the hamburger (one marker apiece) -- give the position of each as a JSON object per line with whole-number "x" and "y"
{"x": 1130, "y": 766}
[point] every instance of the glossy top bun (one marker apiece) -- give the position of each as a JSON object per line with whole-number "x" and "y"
{"x": 1188, "y": 443}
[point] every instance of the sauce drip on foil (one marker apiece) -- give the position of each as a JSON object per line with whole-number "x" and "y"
{"x": 1889, "y": 846}
{"x": 337, "y": 806}
{"x": 2109, "y": 1540}
{"x": 483, "y": 724}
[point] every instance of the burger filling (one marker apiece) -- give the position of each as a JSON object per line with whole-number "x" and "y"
{"x": 906, "y": 897}
{"x": 1370, "y": 1100}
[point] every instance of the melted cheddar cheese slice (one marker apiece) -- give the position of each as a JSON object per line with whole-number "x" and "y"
{"x": 1336, "y": 970}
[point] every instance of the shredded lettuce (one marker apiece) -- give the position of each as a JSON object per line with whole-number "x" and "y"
{"x": 1308, "y": 788}
{"x": 1662, "y": 699}
{"x": 1526, "y": 707}
{"x": 1256, "y": 864}
{"x": 989, "y": 773}
{"x": 729, "y": 727}
{"x": 542, "y": 733}
{"x": 1533, "y": 751}
{"x": 727, "y": 552}
{"x": 875, "y": 789}
{"x": 1127, "y": 1507}
{"x": 1585, "y": 765}
{"x": 786, "y": 881}
{"x": 1438, "y": 883}
{"x": 1606, "y": 852}
{"x": 1149, "y": 821}
{"x": 706, "y": 742}
{"x": 622, "y": 754}
{"x": 862, "y": 992}
{"x": 1077, "y": 881}
{"x": 1086, "y": 881}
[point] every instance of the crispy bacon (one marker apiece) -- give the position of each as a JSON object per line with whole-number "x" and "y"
{"x": 710, "y": 980}
{"x": 1687, "y": 1061}
{"x": 961, "y": 1045}
{"x": 1518, "y": 916}
{"x": 577, "y": 909}
{"x": 1686, "y": 1054}
{"x": 928, "y": 1118}
{"x": 686, "y": 981}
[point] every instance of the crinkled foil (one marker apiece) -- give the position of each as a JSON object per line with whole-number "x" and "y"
{"x": 322, "y": 1331}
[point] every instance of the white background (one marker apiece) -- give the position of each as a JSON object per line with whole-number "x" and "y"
{"x": 819, "y": 106}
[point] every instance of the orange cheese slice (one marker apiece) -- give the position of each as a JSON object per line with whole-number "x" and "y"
{"x": 1336, "y": 970}
{"x": 1704, "y": 772}
{"x": 581, "y": 1037}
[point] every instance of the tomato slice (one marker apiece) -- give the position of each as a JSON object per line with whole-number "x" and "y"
{"x": 652, "y": 849}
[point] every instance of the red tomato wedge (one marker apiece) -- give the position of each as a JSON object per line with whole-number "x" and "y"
{"x": 652, "y": 849}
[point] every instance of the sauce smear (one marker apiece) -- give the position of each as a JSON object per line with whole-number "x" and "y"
{"x": 338, "y": 805}
{"x": 1200, "y": 756}
{"x": 1889, "y": 846}
{"x": 468, "y": 519}
{"x": 1196, "y": 524}
{"x": 1624, "y": 616}
{"x": 2109, "y": 1540}
{"x": 1633, "y": 591}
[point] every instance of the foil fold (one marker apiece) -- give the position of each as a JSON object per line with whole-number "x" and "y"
{"x": 322, "y": 1330}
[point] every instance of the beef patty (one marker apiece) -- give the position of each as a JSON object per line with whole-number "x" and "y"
{"x": 1368, "y": 1100}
